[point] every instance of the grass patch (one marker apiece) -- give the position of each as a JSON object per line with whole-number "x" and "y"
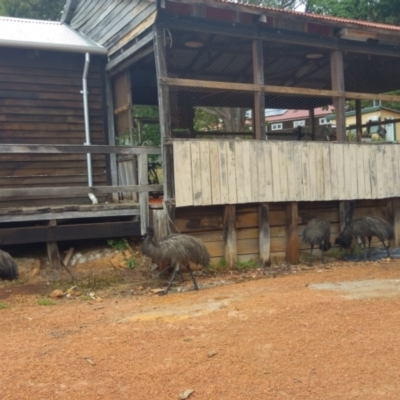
{"x": 250, "y": 264}
{"x": 2, "y": 305}
{"x": 94, "y": 283}
{"x": 45, "y": 302}
{"x": 221, "y": 265}
{"x": 119, "y": 244}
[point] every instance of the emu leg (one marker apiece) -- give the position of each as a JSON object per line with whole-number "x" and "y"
{"x": 322, "y": 251}
{"x": 193, "y": 278}
{"x": 312, "y": 248}
{"x": 386, "y": 248}
{"x": 181, "y": 275}
{"x": 171, "y": 281}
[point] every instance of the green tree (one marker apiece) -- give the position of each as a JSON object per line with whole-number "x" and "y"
{"x": 34, "y": 9}
{"x": 387, "y": 11}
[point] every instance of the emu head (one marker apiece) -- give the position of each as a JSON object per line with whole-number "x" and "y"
{"x": 344, "y": 241}
{"x": 326, "y": 246}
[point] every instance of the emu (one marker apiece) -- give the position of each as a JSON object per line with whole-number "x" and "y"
{"x": 317, "y": 232}
{"x": 364, "y": 228}
{"x": 176, "y": 251}
{"x": 8, "y": 267}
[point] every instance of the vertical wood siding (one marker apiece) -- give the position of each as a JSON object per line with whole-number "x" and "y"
{"x": 236, "y": 172}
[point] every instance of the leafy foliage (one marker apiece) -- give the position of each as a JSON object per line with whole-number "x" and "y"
{"x": 387, "y": 11}
{"x": 34, "y": 9}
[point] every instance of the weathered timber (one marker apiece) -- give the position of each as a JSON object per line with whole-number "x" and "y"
{"x": 143, "y": 196}
{"x": 250, "y": 87}
{"x": 53, "y": 253}
{"x": 337, "y": 76}
{"x": 358, "y": 120}
{"x": 129, "y": 53}
{"x": 396, "y": 220}
{"x": 259, "y": 97}
{"x": 344, "y": 207}
{"x": 264, "y": 234}
{"x": 271, "y": 171}
{"x": 230, "y": 235}
{"x": 277, "y": 35}
{"x": 77, "y": 149}
{"x": 292, "y": 238}
{"x": 38, "y": 234}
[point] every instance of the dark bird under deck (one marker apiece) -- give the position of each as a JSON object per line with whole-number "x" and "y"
{"x": 8, "y": 267}
{"x": 318, "y": 232}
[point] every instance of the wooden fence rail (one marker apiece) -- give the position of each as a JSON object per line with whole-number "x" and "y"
{"x": 209, "y": 172}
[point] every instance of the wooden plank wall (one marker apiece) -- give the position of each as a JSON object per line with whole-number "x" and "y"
{"x": 205, "y": 223}
{"x": 211, "y": 172}
{"x": 41, "y": 103}
{"x": 112, "y": 22}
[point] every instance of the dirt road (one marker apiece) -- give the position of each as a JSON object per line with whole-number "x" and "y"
{"x": 276, "y": 338}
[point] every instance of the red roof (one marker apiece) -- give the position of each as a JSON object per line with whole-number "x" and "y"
{"x": 291, "y": 115}
{"x": 365, "y": 24}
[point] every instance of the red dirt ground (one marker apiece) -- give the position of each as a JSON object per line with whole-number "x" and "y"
{"x": 257, "y": 339}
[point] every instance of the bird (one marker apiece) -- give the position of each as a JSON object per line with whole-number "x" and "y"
{"x": 317, "y": 232}
{"x": 175, "y": 251}
{"x": 364, "y": 228}
{"x": 8, "y": 267}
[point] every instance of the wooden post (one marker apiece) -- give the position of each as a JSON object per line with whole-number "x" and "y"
{"x": 230, "y": 235}
{"x": 292, "y": 237}
{"x": 264, "y": 235}
{"x": 343, "y": 209}
{"x": 311, "y": 114}
{"x": 122, "y": 95}
{"x": 337, "y": 76}
{"x": 396, "y": 220}
{"x": 143, "y": 196}
{"x": 52, "y": 250}
{"x": 165, "y": 123}
{"x": 358, "y": 120}
{"x": 259, "y": 97}
{"x": 111, "y": 138}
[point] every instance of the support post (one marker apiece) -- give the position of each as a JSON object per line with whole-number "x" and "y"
{"x": 337, "y": 77}
{"x": 264, "y": 234}
{"x": 52, "y": 250}
{"x": 292, "y": 237}
{"x": 111, "y": 138}
{"x": 358, "y": 120}
{"x": 230, "y": 235}
{"x": 396, "y": 220}
{"x": 259, "y": 97}
{"x": 343, "y": 209}
{"x": 311, "y": 114}
{"x": 165, "y": 123}
{"x": 143, "y": 196}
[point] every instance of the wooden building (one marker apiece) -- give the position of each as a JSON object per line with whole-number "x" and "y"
{"x": 54, "y": 153}
{"x": 246, "y": 196}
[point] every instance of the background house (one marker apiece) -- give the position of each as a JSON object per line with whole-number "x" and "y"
{"x": 282, "y": 125}
{"x": 373, "y": 118}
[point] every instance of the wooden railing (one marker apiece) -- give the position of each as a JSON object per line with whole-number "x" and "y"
{"x": 143, "y": 188}
{"x": 211, "y": 172}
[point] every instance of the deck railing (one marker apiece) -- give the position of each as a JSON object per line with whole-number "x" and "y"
{"x": 209, "y": 172}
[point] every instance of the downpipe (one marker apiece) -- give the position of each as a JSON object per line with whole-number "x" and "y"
{"x": 85, "y": 93}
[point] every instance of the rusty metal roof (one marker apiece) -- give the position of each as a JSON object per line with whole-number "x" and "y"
{"x": 45, "y": 35}
{"x": 319, "y": 17}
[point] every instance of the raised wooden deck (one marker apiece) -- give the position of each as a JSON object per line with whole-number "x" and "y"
{"x": 212, "y": 172}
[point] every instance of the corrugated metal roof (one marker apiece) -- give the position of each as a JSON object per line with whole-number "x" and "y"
{"x": 46, "y": 35}
{"x": 322, "y": 18}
